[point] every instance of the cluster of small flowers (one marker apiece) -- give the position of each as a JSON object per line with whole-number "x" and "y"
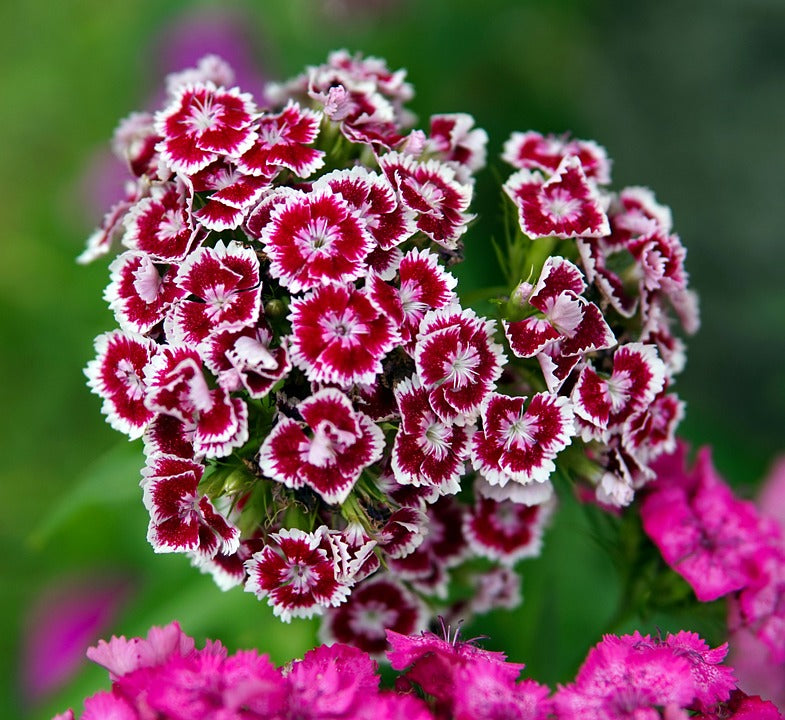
{"x": 164, "y": 677}
{"x": 308, "y": 387}
{"x": 721, "y": 545}
{"x": 598, "y": 317}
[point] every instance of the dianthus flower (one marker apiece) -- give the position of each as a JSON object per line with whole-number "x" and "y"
{"x": 633, "y": 676}
{"x": 321, "y": 414}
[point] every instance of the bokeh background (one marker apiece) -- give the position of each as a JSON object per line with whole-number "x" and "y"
{"x": 688, "y": 99}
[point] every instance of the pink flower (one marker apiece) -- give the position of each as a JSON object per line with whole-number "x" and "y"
{"x": 435, "y": 664}
{"x": 703, "y": 531}
{"x": 626, "y": 677}
{"x": 327, "y": 451}
{"x": 122, "y": 657}
{"x": 485, "y": 690}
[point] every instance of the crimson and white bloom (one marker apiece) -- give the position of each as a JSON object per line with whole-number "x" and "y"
{"x": 295, "y": 575}
{"x": 458, "y": 361}
{"x": 565, "y": 205}
{"x": 373, "y": 199}
{"x": 140, "y": 292}
{"x": 604, "y": 402}
{"x": 427, "y": 450}
{"x": 327, "y": 451}
{"x": 444, "y": 547}
{"x": 161, "y": 224}
{"x": 423, "y": 284}
{"x": 282, "y": 142}
{"x": 246, "y": 360}
{"x": 403, "y": 532}
{"x": 432, "y": 191}
{"x": 117, "y": 375}
{"x": 224, "y": 284}
{"x": 576, "y": 323}
{"x": 519, "y": 442}
{"x": 177, "y": 387}
{"x": 182, "y": 520}
{"x": 505, "y": 530}
{"x": 531, "y": 150}
{"x": 232, "y": 193}
{"x": 339, "y": 336}
{"x": 373, "y": 607}
{"x": 457, "y": 141}
{"x": 315, "y": 238}
{"x": 203, "y": 123}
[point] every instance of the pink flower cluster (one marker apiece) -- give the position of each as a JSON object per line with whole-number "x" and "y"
{"x": 164, "y": 677}
{"x": 311, "y": 394}
{"x": 721, "y": 545}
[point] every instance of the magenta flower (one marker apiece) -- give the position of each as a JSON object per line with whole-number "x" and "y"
{"x": 704, "y": 532}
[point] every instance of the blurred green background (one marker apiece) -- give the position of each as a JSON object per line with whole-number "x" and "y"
{"x": 688, "y": 99}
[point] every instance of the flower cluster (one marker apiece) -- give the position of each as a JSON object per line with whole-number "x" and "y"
{"x": 721, "y": 545}
{"x": 633, "y": 676}
{"x": 323, "y": 421}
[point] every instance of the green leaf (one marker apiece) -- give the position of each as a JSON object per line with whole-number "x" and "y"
{"x": 112, "y": 479}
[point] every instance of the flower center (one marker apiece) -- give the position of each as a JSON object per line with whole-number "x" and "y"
{"x": 462, "y": 368}
{"x": 560, "y": 205}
